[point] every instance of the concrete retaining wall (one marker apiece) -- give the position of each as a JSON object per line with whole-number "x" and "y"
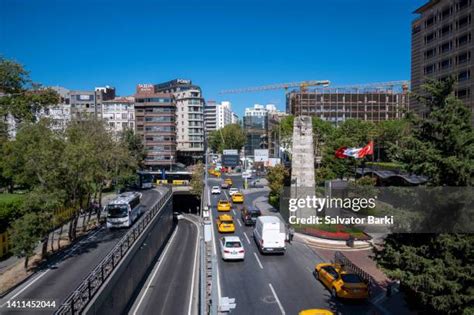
{"x": 119, "y": 291}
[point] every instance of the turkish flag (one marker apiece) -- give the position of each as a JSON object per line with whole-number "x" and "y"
{"x": 340, "y": 153}
{"x": 367, "y": 150}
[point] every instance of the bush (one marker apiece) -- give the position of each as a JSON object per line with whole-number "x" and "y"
{"x": 274, "y": 201}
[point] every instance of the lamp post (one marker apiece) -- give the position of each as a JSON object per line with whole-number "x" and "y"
{"x": 171, "y": 162}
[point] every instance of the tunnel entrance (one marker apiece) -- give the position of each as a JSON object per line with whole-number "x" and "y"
{"x": 185, "y": 202}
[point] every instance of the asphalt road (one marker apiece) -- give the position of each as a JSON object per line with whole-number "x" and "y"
{"x": 168, "y": 289}
{"x": 65, "y": 272}
{"x": 274, "y": 284}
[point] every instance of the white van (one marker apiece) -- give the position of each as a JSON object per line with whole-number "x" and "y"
{"x": 269, "y": 234}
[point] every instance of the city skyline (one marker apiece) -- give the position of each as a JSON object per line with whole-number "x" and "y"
{"x": 88, "y": 46}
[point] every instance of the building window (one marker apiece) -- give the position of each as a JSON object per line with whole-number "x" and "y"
{"x": 445, "y": 64}
{"x": 445, "y": 47}
{"x": 430, "y": 53}
{"x": 430, "y": 37}
{"x": 462, "y": 4}
{"x": 429, "y": 69}
{"x": 445, "y": 30}
{"x": 463, "y": 93}
{"x": 464, "y": 75}
{"x": 463, "y": 57}
{"x": 445, "y": 13}
{"x": 464, "y": 39}
{"x": 430, "y": 21}
{"x": 464, "y": 21}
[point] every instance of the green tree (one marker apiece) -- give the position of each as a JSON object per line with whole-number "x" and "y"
{"x": 23, "y": 98}
{"x": 135, "y": 146}
{"x": 230, "y": 137}
{"x": 441, "y": 146}
{"x": 436, "y": 269}
{"x": 197, "y": 180}
{"x": 26, "y": 232}
{"x": 276, "y": 177}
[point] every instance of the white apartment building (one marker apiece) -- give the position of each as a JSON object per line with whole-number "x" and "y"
{"x": 261, "y": 110}
{"x": 59, "y": 114}
{"x": 119, "y": 114}
{"x": 224, "y": 114}
{"x": 235, "y": 118}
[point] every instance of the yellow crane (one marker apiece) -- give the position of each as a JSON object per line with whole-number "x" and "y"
{"x": 303, "y": 85}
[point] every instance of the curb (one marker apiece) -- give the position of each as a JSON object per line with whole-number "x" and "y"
{"x": 331, "y": 244}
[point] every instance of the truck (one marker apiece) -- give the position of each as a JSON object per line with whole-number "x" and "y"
{"x": 270, "y": 234}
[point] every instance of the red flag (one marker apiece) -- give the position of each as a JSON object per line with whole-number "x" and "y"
{"x": 340, "y": 153}
{"x": 367, "y": 150}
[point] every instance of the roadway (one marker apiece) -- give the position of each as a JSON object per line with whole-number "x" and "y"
{"x": 170, "y": 289}
{"x": 65, "y": 271}
{"x": 273, "y": 284}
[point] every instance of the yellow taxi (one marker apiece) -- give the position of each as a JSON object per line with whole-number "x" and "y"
{"x": 223, "y": 205}
{"x": 228, "y": 181}
{"x": 237, "y": 197}
{"x": 315, "y": 311}
{"x": 225, "y": 223}
{"x": 342, "y": 284}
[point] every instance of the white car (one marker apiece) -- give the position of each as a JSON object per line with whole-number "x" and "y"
{"x": 215, "y": 190}
{"x": 233, "y": 191}
{"x": 232, "y": 248}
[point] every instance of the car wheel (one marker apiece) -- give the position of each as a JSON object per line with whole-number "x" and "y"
{"x": 316, "y": 274}
{"x": 334, "y": 292}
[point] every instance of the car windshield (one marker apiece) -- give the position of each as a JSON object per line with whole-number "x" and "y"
{"x": 223, "y": 202}
{"x": 227, "y": 221}
{"x": 255, "y": 214}
{"x": 234, "y": 244}
{"x": 351, "y": 278}
{"x": 117, "y": 211}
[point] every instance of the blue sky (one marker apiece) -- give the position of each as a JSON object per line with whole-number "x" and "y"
{"x": 218, "y": 44}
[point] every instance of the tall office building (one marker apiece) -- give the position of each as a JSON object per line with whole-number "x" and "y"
{"x": 189, "y": 118}
{"x": 210, "y": 116}
{"x": 155, "y": 121}
{"x": 442, "y": 46}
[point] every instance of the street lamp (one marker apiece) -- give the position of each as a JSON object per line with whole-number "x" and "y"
{"x": 171, "y": 162}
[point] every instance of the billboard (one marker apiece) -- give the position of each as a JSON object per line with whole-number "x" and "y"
{"x": 260, "y": 155}
{"x": 230, "y": 160}
{"x": 230, "y": 152}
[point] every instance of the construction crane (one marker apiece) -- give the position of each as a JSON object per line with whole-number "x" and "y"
{"x": 390, "y": 84}
{"x": 303, "y": 85}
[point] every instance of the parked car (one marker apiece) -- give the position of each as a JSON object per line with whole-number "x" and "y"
{"x": 215, "y": 190}
{"x": 232, "y": 248}
{"x": 341, "y": 283}
{"x": 249, "y": 215}
{"x": 270, "y": 234}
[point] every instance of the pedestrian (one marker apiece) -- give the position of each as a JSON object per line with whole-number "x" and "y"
{"x": 291, "y": 233}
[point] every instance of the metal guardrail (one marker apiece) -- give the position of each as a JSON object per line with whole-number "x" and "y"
{"x": 342, "y": 260}
{"x": 84, "y": 293}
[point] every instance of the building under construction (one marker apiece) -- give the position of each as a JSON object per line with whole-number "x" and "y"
{"x": 371, "y": 102}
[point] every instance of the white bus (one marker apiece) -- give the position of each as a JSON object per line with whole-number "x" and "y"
{"x": 124, "y": 210}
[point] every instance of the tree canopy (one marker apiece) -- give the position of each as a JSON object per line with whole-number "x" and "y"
{"x": 230, "y": 137}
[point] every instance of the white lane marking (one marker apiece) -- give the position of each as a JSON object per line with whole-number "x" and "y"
{"x": 191, "y": 293}
{"x": 233, "y": 211}
{"x": 157, "y": 267}
{"x": 25, "y": 287}
{"x": 248, "y": 240}
{"x": 240, "y": 224}
{"x": 226, "y": 196}
{"x": 277, "y": 299}
{"x": 258, "y": 260}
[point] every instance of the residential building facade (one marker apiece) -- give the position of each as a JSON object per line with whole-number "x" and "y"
{"x": 155, "y": 121}
{"x": 59, "y": 114}
{"x": 189, "y": 118}
{"x": 119, "y": 114}
{"x": 224, "y": 114}
{"x": 210, "y": 117}
{"x": 442, "y": 46}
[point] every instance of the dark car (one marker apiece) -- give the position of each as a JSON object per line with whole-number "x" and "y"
{"x": 249, "y": 215}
